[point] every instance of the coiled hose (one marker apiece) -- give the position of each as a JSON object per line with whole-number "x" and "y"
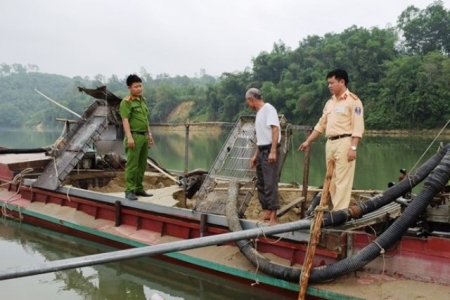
{"x": 434, "y": 184}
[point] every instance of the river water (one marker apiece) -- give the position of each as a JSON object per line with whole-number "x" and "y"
{"x": 379, "y": 161}
{"x": 379, "y": 157}
{"x": 140, "y": 279}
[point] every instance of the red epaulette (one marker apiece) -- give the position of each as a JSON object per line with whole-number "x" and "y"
{"x": 353, "y": 96}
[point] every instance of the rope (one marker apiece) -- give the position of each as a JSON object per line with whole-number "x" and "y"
{"x": 16, "y": 180}
{"x": 67, "y": 194}
{"x": 264, "y": 235}
{"x": 411, "y": 180}
{"x": 54, "y": 147}
{"x": 257, "y": 262}
{"x": 432, "y": 142}
{"x": 321, "y": 209}
{"x": 56, "y": 169}
{"x": 382, "y": 251}
{"x": 256, "y": 250}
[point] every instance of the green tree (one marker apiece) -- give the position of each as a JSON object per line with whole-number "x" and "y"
{"x": 425, "y": 30}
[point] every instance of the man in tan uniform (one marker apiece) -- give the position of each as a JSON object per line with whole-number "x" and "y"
{"x": 343, "y": 123}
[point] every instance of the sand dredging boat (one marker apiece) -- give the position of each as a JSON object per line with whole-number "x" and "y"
{"x": 208, "y": 219}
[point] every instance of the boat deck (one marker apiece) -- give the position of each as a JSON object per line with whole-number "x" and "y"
{"x": 11, "y": 164}
{"x": 223, "y": 257}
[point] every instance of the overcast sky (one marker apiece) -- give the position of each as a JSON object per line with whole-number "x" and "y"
{"x": 177, "y": 37}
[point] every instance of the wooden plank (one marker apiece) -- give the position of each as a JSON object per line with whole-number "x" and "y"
{"x": 289, "y": 206}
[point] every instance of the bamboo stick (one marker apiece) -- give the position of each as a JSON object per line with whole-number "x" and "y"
{"x": 315, "y": 233}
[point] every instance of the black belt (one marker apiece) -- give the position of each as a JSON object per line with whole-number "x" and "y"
{"x": 336, "y": 137}
{"x": 140, "y": 132}
{"x": 267, "y": 147}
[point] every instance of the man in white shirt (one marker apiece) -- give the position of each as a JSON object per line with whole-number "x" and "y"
{"x": 267, "y": 157}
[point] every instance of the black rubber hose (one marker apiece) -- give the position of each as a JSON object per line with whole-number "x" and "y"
{"x": 315, "y": 201}
{"x": 22, "y": 151}
{"x": 435, "y": 182}
{"x": 339, "y": 217}
{"x": 246, "y": 246}
{"x": 405, "y": 185}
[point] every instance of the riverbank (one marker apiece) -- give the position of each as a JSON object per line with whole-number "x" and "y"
{"x": 425, "y": 133}
{"x": 217, "y": 128}
{"x": 196, "y": 129}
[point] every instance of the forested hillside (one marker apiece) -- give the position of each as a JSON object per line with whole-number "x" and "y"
{"x": 400, "y": 73}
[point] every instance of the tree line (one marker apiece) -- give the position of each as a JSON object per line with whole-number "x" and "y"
{"x": 400, "y": 73}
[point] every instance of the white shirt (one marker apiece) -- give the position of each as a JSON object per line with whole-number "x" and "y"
{"x": 265, "y": 118}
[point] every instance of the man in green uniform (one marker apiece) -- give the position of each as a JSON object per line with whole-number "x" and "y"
{"x": 134, "y": 112}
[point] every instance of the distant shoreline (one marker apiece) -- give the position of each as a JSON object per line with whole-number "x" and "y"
{"x": 426, "y": 133}
{"x": 193, "y": 126}
{"x": 218, "y": 126}
{"x": 209, "y": 128}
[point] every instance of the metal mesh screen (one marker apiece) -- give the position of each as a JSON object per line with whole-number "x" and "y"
{"x": 233, "y": 163}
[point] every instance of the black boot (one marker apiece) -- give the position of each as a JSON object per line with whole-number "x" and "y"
{"x": 130, "y": 196}
{"x": 143, "y": 194}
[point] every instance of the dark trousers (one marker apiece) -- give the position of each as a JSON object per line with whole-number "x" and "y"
{"x": 267, "y": 180}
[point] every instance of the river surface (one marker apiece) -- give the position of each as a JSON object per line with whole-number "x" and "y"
{"x": 379, "y": 160}
{"x": 379, "y": 157}
{"x": 25, "y": 245}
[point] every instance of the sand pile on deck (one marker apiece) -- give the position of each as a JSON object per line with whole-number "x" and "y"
{"x": 154, "y": 180}
{"x": 287, "y": 195}
{"x": 151, "y": 181}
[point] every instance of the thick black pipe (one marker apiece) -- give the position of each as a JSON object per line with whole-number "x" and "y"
{"x": 348, "y": 265}
{"x": 435, "y": 182}
{"x": 246, "y": 246}
{"x": 405, "y": 185}
{"x": 315, "y": 201}
{"x": 337, "y": 218}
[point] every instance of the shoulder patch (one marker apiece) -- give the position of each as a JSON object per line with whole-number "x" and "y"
{"x": 353, "y": 96}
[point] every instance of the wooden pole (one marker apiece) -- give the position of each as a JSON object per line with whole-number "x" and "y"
{"x": 305, "y": 183}
{"x": 186, "y": 165}
{"x": 316, "y": 225}
{"x": 162, "y": 171}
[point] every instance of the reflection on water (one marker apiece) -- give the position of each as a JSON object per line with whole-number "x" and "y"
{"x": 379, "y": 160}
{"x": 139, "y": 279}
{"x": 27, "y": 138}
{"x": 379, "y": 157}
